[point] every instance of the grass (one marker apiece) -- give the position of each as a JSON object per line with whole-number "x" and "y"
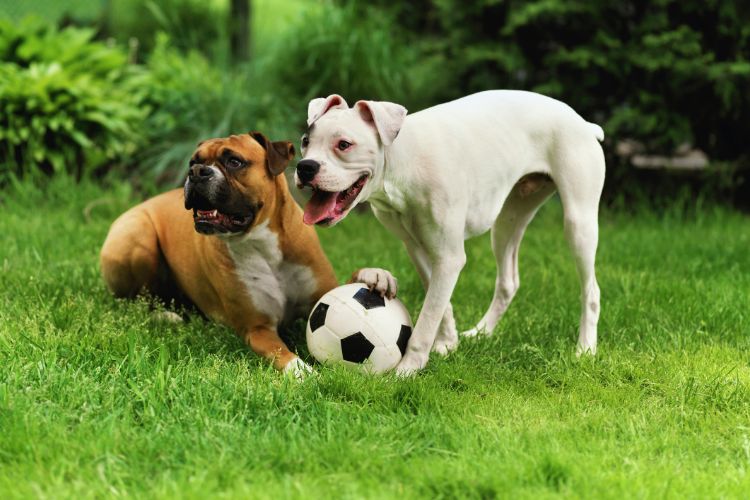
{"x": 96, "y": 399}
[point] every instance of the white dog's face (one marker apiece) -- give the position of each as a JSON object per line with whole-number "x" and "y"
{"x": 342, "y": 154}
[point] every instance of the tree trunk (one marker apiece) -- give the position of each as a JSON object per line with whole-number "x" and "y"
{"x": 239, "y": 29}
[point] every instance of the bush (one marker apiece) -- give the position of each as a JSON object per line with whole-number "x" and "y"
{"x": 662, "y": 72}
{"x": 68, "y": 104}
{"x": 348, "y": 52}
{"x": 189, "y": 24}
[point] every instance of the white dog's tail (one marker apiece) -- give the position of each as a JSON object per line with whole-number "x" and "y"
{"x": 597, "y": 130}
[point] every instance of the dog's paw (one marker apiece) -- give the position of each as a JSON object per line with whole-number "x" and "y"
{"x": 377, "y": 279}
{"x": 585, "y": 350}
{"x": 297, "y": 369}
{"x": 475, "y": 332}
{"x": 410, "y": 364}
{"x": 445, "y": 346}
{"x": 167, "y": 317}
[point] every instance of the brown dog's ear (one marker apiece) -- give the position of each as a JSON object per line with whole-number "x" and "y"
{"x": 278, "y": 154}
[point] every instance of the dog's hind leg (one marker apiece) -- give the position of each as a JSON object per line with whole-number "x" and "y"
{"x": 580, "y": 189}
{"x": 129, "y": 258}
{"x": 507, "y": 232}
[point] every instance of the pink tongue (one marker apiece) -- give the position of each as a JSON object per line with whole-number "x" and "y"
{"x": 321, "y": 206}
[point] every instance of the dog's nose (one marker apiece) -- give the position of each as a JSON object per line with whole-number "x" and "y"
{"x": 199, "y": 173}
{"x": 306, "y": 170}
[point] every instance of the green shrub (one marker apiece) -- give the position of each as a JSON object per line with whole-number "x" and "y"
{"x": 347, "y": 52}
{"x": 662, "y": 72}
{"x": 190, "y": 24}
{"x": 69, "y": 104}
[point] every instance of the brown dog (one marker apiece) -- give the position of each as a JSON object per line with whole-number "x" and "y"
{"x": 243, "y": 256}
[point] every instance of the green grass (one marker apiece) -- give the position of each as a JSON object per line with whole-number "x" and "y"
{"x": 97, "y": 399}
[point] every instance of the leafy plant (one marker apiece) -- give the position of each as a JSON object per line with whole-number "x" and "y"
{"x": 190, "y": 24}
{"x": 69, "y": 104}
{"x": 345, "y": 51}
{"x": 662, "y": 72}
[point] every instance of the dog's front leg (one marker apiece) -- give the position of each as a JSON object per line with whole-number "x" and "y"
{"x": 447, "y": 336}
{"x": 443, "y": 277}
{"x": 267, "y": 343}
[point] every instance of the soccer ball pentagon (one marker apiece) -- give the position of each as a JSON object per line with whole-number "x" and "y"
{"x": 359, "y": 328}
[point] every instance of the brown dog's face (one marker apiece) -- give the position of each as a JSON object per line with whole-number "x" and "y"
{"x": 230, "y": 180}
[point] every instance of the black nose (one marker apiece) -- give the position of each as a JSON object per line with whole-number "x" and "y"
{"x": 199, "y": 173}
{"x": 306, "y": 170}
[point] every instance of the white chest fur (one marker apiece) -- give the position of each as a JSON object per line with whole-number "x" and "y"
{"x": 276, "y": 287}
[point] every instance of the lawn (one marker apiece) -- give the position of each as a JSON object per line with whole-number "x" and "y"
{"x": 98, "y": 399}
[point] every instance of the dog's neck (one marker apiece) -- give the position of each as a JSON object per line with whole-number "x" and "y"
{"x": 386, "y": 194}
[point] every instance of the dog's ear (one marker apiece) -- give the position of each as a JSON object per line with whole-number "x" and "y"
{"x": 278, "y": 153}
{"x": 320, "y": 106}
{"x": 386, "y": 116}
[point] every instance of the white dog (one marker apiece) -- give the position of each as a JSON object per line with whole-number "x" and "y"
{"x": 453, "y": 171}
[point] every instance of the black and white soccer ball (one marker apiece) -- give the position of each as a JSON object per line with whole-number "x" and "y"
{"x": 357, "y": 327}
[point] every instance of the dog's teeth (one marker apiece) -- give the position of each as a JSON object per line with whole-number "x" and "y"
{"x": 214, "y": 212}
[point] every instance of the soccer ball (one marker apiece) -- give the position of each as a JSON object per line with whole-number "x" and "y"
{"x": 359, "y": 328}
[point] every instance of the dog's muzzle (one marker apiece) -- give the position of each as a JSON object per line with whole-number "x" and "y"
{"x": 216, "y": 208}
{"x": 200, "y": 173}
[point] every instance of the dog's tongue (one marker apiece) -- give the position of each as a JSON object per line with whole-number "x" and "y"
{"x": 320, "y": 207}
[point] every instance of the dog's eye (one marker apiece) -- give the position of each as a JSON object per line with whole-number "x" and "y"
{"x": 305, "y": 141}
{"x": 234, "y": 163}
{"x": 344, "y": 145}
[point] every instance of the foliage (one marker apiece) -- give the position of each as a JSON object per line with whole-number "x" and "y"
{"x": 68, "y": 104}
{"x": 347, "y": 52}
{"x": 98, "y": 399}
{"x": 52, "y": 10}
{"x": 662, "y": 72}
{"x": 190, "y": 24}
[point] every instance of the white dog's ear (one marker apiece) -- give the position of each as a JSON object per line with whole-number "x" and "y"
{"x": 320, "y": 106}
{"x": 386, "y": 116}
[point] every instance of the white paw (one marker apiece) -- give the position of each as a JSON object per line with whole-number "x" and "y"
{"x": 476, "y": 332}
{"x": 445, "y": 346}
{"x": 583, "y": 349}
{"x": 473, "y": 332}
{"x": 377, "y": 279}
{"x": 297, "y": 369}
{"x": 167, "y": 317}
{"x": 410, "y": 364}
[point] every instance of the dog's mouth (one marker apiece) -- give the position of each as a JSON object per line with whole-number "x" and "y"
{"x": 213, "y": 222}
{"x": 326, "y": 208}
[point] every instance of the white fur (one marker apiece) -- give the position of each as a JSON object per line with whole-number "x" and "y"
{"x": 216, "y": 180}
{"x": 167, "y": 317}
{"x": 450, "y": 175}
{"x": 276, "y": 287}
{"x": 298, "y": 369}
{"x": 320, "y": 106}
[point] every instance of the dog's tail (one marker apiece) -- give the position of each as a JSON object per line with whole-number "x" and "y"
{"x": 597, "y": 130}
